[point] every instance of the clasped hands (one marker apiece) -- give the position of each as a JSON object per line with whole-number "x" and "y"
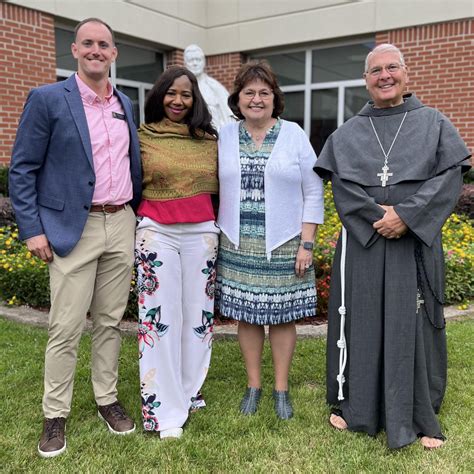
{"x": 390, "y": 226}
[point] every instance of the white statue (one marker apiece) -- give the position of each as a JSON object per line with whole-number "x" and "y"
{"x": 213, "y": 92}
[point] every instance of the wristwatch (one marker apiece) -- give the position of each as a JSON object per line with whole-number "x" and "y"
{"x": 307, "y": 245}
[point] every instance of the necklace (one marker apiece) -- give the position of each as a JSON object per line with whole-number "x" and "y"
{"x": 385, "y": 174}
{"x": 260, "y": 135}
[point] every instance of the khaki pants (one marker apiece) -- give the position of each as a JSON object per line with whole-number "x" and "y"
{"x": 95, "y": 275}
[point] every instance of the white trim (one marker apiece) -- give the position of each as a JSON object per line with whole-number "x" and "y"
{"x": 307, "y": 91}
{"x": 340, "y": 105}
{"x": 141, "y": 103}
{"x": 301, "y": 88}
{"x": 64, "y": 72}
{"x": 113, "y": 74}
{"x": 335, "y": 84}
{"x": 130, "y": 83}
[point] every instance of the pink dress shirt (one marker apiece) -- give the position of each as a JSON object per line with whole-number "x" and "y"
{"x": 110, "y": 140}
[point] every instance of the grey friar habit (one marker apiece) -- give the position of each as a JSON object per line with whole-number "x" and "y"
{"x": 395, "y": 377}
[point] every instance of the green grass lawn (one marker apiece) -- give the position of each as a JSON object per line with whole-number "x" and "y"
{"x": 217, "y": 439}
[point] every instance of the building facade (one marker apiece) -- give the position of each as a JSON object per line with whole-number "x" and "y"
{"x": 316, "y": 47}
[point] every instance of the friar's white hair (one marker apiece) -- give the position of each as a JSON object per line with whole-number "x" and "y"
{"x": 384, "y": 48}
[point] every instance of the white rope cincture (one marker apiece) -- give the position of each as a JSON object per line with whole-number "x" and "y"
{"x": 341, "y": 342}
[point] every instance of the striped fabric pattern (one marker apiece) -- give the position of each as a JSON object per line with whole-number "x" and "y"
{"x": 249, "y": 287}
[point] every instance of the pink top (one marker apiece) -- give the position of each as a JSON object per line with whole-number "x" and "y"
{"x": 110, "y": 141}
{"x": 178, "y": 211}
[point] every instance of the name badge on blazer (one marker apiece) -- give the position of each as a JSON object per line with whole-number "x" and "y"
{"x": 118, "y": 116}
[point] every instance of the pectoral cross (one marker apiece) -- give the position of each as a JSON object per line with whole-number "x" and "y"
{"x": 385, "y": 175}
{"x": 419, "y": 301}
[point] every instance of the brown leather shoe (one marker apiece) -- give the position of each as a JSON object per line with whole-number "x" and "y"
{"x": 53, "y": 438}
{"x": 116, "y": 418}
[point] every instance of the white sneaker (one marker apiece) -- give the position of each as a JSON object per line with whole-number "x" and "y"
{"x": 171, "y": 433}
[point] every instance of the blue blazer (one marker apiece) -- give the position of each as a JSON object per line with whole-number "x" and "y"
{"x": 51, "y": 173}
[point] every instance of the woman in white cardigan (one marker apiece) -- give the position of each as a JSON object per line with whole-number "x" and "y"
{"x": 271, "y": 203}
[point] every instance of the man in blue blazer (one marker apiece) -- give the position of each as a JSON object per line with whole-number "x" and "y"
{"x": 75, "y": 177}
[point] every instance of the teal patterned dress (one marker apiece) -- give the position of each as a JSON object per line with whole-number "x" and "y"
{"x": 250, "y": 287}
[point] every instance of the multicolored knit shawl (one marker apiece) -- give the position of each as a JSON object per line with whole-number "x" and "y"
{"x": 175, "y": 165}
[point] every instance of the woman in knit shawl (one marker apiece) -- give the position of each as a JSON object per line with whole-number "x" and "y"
{"x": 176, "y": 250}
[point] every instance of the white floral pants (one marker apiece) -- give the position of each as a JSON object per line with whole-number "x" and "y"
{"x": 176, "y": 282}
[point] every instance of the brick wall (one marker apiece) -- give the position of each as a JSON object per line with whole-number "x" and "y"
{"x": 27, "y": 59}
{"x": 224, "y": 67}
{"x": 440, "y": 60}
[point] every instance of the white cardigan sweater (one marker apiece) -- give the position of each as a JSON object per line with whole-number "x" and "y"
{"x": 293, "y": 191}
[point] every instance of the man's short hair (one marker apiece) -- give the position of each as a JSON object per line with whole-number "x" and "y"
{"x": 93, "y": 20}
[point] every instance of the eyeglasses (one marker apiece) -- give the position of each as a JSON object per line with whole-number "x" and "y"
{"x": 264, "y": 94}
{"x": 391, "y": 69}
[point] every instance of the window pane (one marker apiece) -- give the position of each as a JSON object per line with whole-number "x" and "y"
{"x": 340, "y": 63}
{"x": 294, "y": 108}
{"x": 64, "y": 58}
{"x": 323, "y": 117}
{"x": 354, "y": 99}
{"x": 132, "y": 93}
{"x": 138, "y": 64}
{"x": 288, "y": 67}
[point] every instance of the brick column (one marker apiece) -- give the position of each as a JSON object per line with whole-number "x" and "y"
{"x": 27, "y": 60}
{"x": 175, "y": 58}
{"x": 224, "y": 67}
{"x": 440, "y": 60}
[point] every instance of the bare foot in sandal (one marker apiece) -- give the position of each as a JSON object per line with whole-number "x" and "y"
{"x": 431, "y": 443}
{"x": 337, "y": 422}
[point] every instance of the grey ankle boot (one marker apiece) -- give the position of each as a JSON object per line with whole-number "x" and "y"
{"x": 248, "y": 405}
{"x": 283, "y": 407}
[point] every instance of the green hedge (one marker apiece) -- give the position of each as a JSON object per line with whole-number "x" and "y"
{"x": 4, "y": 181}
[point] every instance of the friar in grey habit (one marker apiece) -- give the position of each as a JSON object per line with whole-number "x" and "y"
{"x": 396, "y": 172}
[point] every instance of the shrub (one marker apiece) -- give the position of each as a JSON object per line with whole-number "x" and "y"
{"x": 458, "y": 241}
{"x": 24, "y": 278}
{"x": 4, "y": 181}
{"x": 469, "y": 177}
